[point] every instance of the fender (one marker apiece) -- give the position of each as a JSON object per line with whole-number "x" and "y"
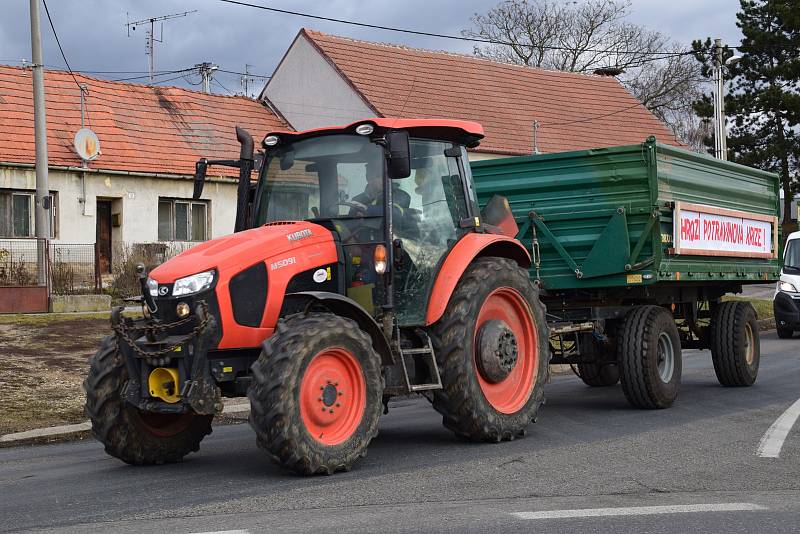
{"x": 346, "y": 307}
{"x": 469, "y": 247}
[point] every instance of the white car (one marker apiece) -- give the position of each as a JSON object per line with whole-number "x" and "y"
{"x": 786, "y": 302}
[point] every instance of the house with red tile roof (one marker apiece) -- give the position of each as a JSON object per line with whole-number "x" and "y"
{"x": 325, "y": 79}
{"x": 139, "y": 189}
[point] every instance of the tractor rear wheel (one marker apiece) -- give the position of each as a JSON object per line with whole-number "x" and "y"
{"x": 127, "y": 433}
{"x": 316, "y": 394}
{"x": 492, "y": 349}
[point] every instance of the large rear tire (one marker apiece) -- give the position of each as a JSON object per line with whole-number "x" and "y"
{"x": 316, "y": 394}
{"x": 483, "y": 399}
{"x": 735, "y": 346}
{"x": 649, "y": 354}
{"x": 133, "y": 436}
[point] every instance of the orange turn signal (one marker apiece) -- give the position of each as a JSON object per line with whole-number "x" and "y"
{"x": 380, "y": 259}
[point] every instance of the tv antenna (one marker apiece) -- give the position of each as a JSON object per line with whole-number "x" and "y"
{"x": 150, "y": 36}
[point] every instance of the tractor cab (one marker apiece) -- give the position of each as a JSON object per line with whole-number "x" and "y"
{"x": 396, "y": 194}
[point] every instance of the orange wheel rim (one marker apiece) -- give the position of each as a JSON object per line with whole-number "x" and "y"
{"x": 333, "y": 396}
{"x": 510, "y": 394}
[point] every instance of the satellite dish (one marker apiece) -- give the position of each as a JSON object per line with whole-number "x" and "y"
{"x": 87, "y": 145}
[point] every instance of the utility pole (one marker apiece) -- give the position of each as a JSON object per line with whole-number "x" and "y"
{"x": 42, "y": 209}
{"x": 150, "y": 36}
{"x": 206, "y": 70}
{"x": 720, "y": 131}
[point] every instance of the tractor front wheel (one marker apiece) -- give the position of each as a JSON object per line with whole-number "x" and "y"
{"x": 316, "y": 394}
{"x": 492, "y": 349}
{"x": 127, "y": 433}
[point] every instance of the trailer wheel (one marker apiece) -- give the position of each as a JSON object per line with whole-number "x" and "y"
{"x": 316, "y": 394}
{"x": 491, "y": 347}
{"x": 134, "y": 436}
{"x": 735, "y": 346}
{"x": 598, "y": 375}
{"x": 605, "y": 373}
{"x": 649, "y": 352}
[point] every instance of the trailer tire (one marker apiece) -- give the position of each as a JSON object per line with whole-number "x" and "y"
{"x": 473, "y": 406}
{"x": 133, "y": 436}
{"x": 649, "y": 354}
{"x": 316, "y": 362}
{"x": 735, "y": 346}
{"x": 603, "y": 372}
{"x": 599, "y": 375}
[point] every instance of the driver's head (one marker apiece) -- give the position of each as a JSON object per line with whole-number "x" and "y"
{"x": 374, "y": 179}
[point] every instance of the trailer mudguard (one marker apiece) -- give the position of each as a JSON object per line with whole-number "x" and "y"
{"x": 469, "y": 247}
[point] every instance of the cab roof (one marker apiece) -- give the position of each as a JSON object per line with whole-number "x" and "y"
{"x": 467, "y": 133}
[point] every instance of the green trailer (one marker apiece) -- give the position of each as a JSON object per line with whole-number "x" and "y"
{"x": 643, "y": 239}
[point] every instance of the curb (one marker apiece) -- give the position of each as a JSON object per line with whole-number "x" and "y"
{"x": 63, "y": 430}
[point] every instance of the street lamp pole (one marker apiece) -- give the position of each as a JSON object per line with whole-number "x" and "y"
{"x": 720, "y": 149}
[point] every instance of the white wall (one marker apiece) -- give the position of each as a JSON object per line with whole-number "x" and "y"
{"x": 310, "y": 93}
{"x": 135, "y": 197}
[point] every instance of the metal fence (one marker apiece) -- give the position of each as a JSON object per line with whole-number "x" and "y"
{"x": 23, "y": 262}
{"x": 74, "y": 268}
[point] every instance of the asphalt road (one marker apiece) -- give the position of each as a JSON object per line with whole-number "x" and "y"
{"x": 589, "y": 450}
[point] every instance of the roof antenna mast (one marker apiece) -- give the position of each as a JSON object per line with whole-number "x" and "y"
{"x": 150, "y": 37}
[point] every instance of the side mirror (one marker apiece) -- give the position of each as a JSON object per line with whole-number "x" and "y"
{"x": 200, "y": 169}
{"x": 399, "y": 154}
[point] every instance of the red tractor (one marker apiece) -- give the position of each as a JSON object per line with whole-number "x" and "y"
{"x": 361, "y": 268}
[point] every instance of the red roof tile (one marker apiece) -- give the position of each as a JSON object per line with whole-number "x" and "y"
{"x": 575, "y": 111}
{"x": 141, "y": 128}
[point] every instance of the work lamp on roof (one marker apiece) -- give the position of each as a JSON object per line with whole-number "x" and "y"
{"x": 271, "y": 140}
{"x": 364, "y": 129}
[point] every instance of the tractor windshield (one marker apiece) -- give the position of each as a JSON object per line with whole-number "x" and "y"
{"x": 331, "y": 176}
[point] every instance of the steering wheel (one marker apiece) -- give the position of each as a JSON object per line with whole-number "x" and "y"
{"x": 352, "y": 204}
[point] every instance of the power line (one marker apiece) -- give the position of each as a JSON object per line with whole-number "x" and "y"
{"x": 660, "y": 55}
{"x": 590, "y": 119}
{"x": 58, "y": 42}
{"x": 220, "y": 84}
{"x": 148, "y": 76}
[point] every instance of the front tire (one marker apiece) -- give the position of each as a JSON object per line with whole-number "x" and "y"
{"x": 785, "y": 333}
{"x": 127, "y": 433}
{"x": 649, "y": 354}
{"x": 735, "y": 346}
{"x": 316, "y": 394}
{"x": 494, "y": 300}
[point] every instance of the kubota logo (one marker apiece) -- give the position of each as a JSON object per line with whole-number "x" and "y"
{"x": 302, "y": 234}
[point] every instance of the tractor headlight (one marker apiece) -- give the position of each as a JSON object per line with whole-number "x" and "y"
{"x": 190, "y": 285}
{"x": 152, "y": 287}
{"x": 786, "y": 287}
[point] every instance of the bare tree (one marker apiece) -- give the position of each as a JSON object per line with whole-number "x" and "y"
{"x": 585, "y": 37}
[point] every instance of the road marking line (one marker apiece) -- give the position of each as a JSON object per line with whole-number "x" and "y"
{"x": 225, "y": 532}
{"x": 641, "y": 510}
{"x": 772, "y": 441}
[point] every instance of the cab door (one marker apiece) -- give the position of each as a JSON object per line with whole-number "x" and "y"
{"x": 428, "y": 218}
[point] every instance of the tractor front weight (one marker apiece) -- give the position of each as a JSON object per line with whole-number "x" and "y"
{"x": 168, "y": 371}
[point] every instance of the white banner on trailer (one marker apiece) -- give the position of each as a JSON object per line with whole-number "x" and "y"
{"x": 708, "y": 231}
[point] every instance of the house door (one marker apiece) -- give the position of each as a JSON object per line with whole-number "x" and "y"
{"x": 104, "y": 236}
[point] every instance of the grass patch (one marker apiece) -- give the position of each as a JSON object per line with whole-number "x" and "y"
{"x": 763, "y": 307}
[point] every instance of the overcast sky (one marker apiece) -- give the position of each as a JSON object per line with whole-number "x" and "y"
{"x": 94, "y": 37}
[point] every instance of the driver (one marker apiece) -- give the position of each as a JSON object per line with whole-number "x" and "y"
{"x": 372, "y": 197}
